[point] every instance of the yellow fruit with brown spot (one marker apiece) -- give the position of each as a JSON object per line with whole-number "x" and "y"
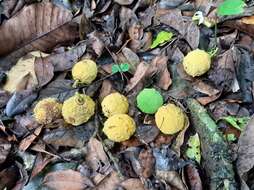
{"x": 170, "y": 119}
{"x": 47, "y": 110}
{"x": 119, "y": 127}
{"x": 78, "y": 109}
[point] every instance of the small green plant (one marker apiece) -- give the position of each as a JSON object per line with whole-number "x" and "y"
{"x": 123, "y": 67}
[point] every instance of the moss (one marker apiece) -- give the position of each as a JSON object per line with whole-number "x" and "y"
{"x": 47, "y": 110}
{"x": 119, "y": 127}
{"x": 78, "y": 109}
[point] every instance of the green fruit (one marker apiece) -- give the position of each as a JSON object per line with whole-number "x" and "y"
{"x": 149, "y": 100}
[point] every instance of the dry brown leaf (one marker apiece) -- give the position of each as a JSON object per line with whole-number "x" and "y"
{"x": 106, "y": 89}
{"x": 171, "y": 177}
{"x": 132, "y": 183}
{"x": 147, "y": 162}
{"x": 26, "y": 142}
{"x": 138, "y": 76}
{"x": 66, "y": 180}
{"x": 245, "y": 161}
{"x": 159, "y": 66}
{"x": 183, "y": 25}
{"x": 5, "y": 148}
{"x": 204, "y": 88}
{"x": 180, "y": 137}
{"x": 193, "y": 177}
{"x": 40, "y": 26}
{"x": 109, "y": 182}
{"x": 21, "y": 76}
{"x": 208, "y": 99}
{"x": 40, "y": 164}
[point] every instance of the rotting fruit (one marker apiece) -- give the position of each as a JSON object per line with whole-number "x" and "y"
{"x": 85, "y": 71}
{"x": 170, "y": 119}
{"x": 196, "y": 62}
{"x": 114, "y": 103}
{"x": 78, "y": 109}
{"x": 119, "y": 127}
{"x": 149, "y": 100}
{"x": 47, "y": 110}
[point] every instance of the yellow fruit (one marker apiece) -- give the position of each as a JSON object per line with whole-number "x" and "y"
{"x": 84, "y": 71}
{"x": 197, "y": 62}
{"x": 170, "y": 119}
{"x": 47, "y": 110}
{"x": 78, "y": 109}
{"x": 119, "y": 127}
{"x": 114, "y": 103}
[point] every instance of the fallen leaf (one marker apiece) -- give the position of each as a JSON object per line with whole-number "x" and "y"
{"x": 193, "y": 177}
{"x": 138, "y": 76}
{"x": 162, "y": 139}
{"x": 70, "y": 136}
{"x": 193, "y": 151}
{"x": 60, "y": 89}
{"x": 184, "y": 26}
{"x": 208, "y": 99}
{"x": 147, "y": 162}
{"x": 147, "y": 133}
{"x": 8, "y": 177}
{"x": 63, "y": 61}
{"x": 22, "y": 75}
{"x": 40, "y": 163}
{"x": 245, "y": 161}
{"x": 11, "y": 7}
{"x": 5, "y": 148}
{"x": 124, "y": 2}
{"x": 204, "y": 88}
{"x": 161, "y": 38}
{"x": 66, "y": 180}
{"x": 26, "y": 142}
{"x": 132, "y": 183}
{"x": 171, "y": 177}
{"x": 4, "y": 98}
{"x": 96, "y": 155}
{"x": 106, "y": 89}
{"x": 19, "y": 102}
{"x": 131, "y": 57}
{"x": 223, "y": 72}
{"x": 44, "y": 71}
{"x": 109, "y": 182}
{"x": 40, "y": 26}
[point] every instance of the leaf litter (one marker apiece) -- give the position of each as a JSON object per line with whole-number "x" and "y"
{"x": 135, "y": 45}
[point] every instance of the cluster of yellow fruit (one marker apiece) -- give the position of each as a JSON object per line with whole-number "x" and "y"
{"x": 119, "y": 126}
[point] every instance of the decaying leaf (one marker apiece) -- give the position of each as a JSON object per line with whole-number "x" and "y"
{"x": 171, "y": 177}
{"x": 22, "y": 75}
{"x": 70, "y": 136}
{"x": 193, "y": 177}
{"x": 19, "y": 102}
{"x": 40, "y": 26}
{"x": 132, "y": 183}
{"x": 245, "y": 159}
{"x": 66, "y": 180}
{"x": 147, "y": 162}
{"x": 5, "y": 148}
{"x": 26, "y": 142}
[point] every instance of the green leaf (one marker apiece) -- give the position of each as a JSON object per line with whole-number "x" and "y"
{"x": 231, "y": 7}
{"x": 236, "y": 122}
{"x": 123, "y": 67}
{"x": 230, "y": 137}
{"x": 162, "y": 38}
{"x": 193, "y": 151}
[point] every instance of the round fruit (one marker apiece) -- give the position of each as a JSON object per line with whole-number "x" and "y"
{"x": 47, "y": 110}
{"x": 119, "y": 127}
{"x": 114, "y": 103}
{"x": 149, "y": 100}
{"x": 170, "y": 119}
{"x": 196, "y": 62}
{"x": 78, "y": 109}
